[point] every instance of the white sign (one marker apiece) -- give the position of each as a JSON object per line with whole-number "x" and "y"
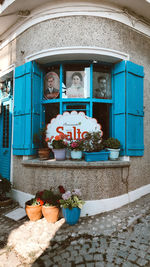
{"x": 74, "y": 125}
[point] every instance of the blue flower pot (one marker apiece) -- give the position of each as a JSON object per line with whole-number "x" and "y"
{"x": 71, "y": 216}
{"x": 96, "y": 156}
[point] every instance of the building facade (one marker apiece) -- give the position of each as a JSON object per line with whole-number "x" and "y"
{"x": 99, "y": 42}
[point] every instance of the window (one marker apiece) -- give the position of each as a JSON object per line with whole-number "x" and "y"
{"x": 106, "y": 92}
{"x": 78, "y": 86}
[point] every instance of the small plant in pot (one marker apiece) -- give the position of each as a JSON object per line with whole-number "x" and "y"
{"x": 76, "y": 147}
{"x": 58, "y": 146}
{"x": 5, "y": 187}
{"x": 39, "y": 139}
{"x": 113, "y": 146}
{"x": 94, "y": 147}
{"x": 71, "y": 204}
{"x": 51, "y": 204}
{"x": 33, "y": 208}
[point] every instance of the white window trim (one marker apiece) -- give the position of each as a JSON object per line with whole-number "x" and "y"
{"x": 60, "y": 53}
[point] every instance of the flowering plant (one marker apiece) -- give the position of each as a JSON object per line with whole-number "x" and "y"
{"x": 76, "y": 145}
{"x": 71, "y": 199}
{"x": 57, "y": 142}
{"x": 93, "y": 142}
{"x": 35, "y": 202}
{"x": 49, "y": 197}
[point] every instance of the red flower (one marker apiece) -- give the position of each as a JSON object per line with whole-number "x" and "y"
{"x": 41, "y": 202}
{"x": 61, "y": 189}
{"x": 57, "y": 137}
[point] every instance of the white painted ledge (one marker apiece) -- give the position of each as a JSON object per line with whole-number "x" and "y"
{"x": 93, "y": 207}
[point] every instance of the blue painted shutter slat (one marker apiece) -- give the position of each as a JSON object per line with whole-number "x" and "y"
{"x": 118, "y": 110}
{"x": 128, "y": 107}
{"x": 37, "y": 84}
{"x": 134, "y": 109}
{"x": 26, "y": 95}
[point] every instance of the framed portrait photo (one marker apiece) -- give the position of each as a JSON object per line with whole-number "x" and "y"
{"x": 102, "y": 85}
{"x": 51, "y": 85}
{"x": 75, "y": 84}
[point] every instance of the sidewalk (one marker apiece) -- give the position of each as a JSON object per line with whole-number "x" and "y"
{"x": 117, "y": 238}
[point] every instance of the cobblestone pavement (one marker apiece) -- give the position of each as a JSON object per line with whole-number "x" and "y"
{"x": 117, "y": 238}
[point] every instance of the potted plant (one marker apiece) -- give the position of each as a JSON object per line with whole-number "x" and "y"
{"x": 39, "y": 140}
{"x": 76, "y": 147}
{"x": 113, "y": 146}
{"x": 58, "y": 146}
{"x": 71, "y": 204}
{"x": 94, "y": 147}
{"x": 51, "y": 204}
{"x": 5, "y": 187}
{"x": 33, "y": 208}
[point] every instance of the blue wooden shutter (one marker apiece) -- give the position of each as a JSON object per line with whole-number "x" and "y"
{"x": 128, "y": 107}
{"x": 26, "y": 107}
{"x": 119, "y": 118}
{"x": 134, "y": 109}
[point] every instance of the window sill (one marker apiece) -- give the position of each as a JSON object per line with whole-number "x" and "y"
{"x": 72, "y": 164}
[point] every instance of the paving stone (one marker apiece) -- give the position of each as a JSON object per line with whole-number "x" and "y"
{"x": 99, "y": 264}
{"x": 142, "y": 254}
{"x": 88, "y": 257}
{"x": 142, "y": 262}
{"x": 122, "y": 254}
{"x": 91, "y": 264}
{"x": 132, "y": 257}
{"x": 119, "y": 260}
{"x": 98, "y": 257}
{"x": 78, "y": 259}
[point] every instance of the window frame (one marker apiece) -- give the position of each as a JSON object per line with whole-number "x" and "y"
{"x": 87, "y": 101}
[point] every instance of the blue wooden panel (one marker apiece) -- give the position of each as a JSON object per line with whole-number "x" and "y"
{"x": 28, "y": 88}
{"x": 22, "y": 132}
{"x": 118, "y": 108}
{"x": 5, "y": 139}
{"x": 134, "y": 110}
{"x": 134, "y": 147}
{"x": 37, "y": 88}
{"x": 119, "y": 67}
{"x": 134, "y": 68}
{"x": 119, "y": 130}
{"x": 23, "y": 69}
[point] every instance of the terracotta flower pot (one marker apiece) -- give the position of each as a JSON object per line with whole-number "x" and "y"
{"x": 44, "y": 153}
{"x": 50, "y": 213}
{"x": 34, "y": 212}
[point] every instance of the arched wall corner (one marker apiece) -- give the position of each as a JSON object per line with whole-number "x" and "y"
{"x": 83, "y": 53}
{"x": 51, "y": 11}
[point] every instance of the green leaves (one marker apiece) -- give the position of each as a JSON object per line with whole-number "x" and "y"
{"x": 72, "y": 202}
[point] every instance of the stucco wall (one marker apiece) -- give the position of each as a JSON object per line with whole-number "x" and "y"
{"x": 87, "y": 31}
{"x": 8, "y": 55}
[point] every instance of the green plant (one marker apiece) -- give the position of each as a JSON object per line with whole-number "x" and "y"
{"x": 76, "y": 145}
{"x": 93, "y": 142}
{"x": 71, "y": 199}
{"x": 49, "y": 197}
{"x": 57, "y": 142}
{"x": 5, "y": 187}
{"x": 112, "y": 143}
{"x": 39, "y": 139}
{"x": 34, "y": 202}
